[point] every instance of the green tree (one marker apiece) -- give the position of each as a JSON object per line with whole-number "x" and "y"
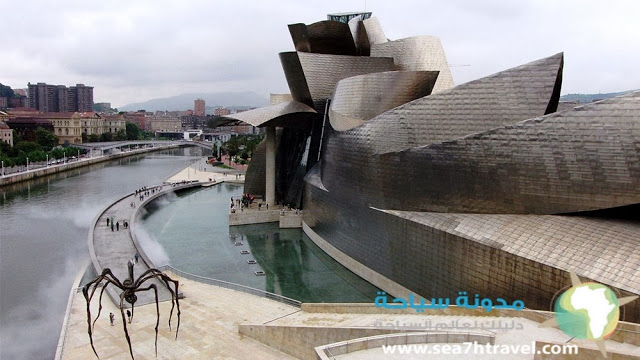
{"x": 38, "y": 155}
{"x": 6, "y": 91}
{"x": 233, "y": 145}
{"x": 244, "y": 155}
{"x": 73, "y": 151}
{"x": 213, "y": 121}
{"x": 107, "y": 136}
{"x": 121, "y": 135}
{"x": 16, "y": 137}
{"x": 21, "y": 159}
{"x": 46, "y": 139}
{"x": 27, "y": 146}
{"x": 8, "y": 162}
{"x": 133, "y": 131}
{"x": 94, "y": 138}
{"x": 57, "y": 153}
{"x": 7, "y": 150}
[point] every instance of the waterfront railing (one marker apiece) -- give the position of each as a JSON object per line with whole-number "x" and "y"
{"x": 232, "y": 286}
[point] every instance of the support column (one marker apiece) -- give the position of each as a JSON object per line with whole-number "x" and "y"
{"x": 270, "y": 171}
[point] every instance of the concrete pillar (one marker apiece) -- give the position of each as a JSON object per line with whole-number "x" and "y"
{"x": 270, "y": 191}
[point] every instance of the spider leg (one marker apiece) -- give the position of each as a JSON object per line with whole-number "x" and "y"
{"x": 156, "y": 274}
{"x": 132, "y": 307}
{"x": 124, "y": 324}
{"x": 93, "y": 285}
{"x": 100, "y": 300}
{"x": 174, "y": 294}
{"x": 155, "y": 290}
{"x": 88, "y": 300}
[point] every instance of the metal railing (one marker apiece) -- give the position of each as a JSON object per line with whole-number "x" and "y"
{"x": 232, "y": 286}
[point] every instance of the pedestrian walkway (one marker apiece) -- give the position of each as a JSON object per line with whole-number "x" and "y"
{"x": 208, "y": 327}
{"x": 114, "y": 248}
{"x": 204, "y": 172}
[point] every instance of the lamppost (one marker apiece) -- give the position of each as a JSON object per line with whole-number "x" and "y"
{"x": 64, "y": 157}
{"x": 27, "y": 164}
{"x": 47, "y": 160}
{"x": 2, "y": 168}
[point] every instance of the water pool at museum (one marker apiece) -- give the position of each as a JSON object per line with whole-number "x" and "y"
{"x": 193, "y": 229}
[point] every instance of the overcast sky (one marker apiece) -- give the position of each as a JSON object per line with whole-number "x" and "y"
{"x": 132, "y": 51}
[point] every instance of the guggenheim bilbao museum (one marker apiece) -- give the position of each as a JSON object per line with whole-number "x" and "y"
{"x": 420, "y": 186}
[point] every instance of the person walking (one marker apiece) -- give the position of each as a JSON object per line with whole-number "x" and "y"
{"x": 129, "y": 315}
{"x": 111, "y": 226}
{"x": 107, "y": 222}
{"x": 137, "y": 256}
{"x": 118, "y": 226}
{"x": 111, "y": 318}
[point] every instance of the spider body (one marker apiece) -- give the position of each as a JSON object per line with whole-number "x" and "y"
{"x": 129, "y": 289}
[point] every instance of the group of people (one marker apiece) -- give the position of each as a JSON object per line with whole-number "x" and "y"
{"x": 116, "y": 224}
{"x": 112, "y": 318}
{"x": 145, "y": 191}
{"x": 283, "y": 211}
{"x": 183, "y": 182}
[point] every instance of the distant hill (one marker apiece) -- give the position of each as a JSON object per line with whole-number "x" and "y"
{"x": 185, "y": 101}
{"x": 587, "y": 98}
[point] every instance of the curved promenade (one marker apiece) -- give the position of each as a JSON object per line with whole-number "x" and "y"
{"x": 113, "y": 248}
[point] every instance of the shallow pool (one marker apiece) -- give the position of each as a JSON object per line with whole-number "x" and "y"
{"x": 193, "y": 230}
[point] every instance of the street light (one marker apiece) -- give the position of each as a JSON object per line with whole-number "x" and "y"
{"x": 2, "y": 168}
{"x": 27, "y": 164}
{"x": 64, "y": 157}
{"x": 47, "y": 160}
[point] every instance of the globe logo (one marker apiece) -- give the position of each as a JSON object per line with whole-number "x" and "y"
{"x": 587, "y": 311}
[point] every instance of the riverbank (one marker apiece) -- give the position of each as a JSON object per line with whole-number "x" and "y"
{"x": 54, "y": 169}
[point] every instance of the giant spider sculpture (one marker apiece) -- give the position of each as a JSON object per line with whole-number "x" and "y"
{"x": 129, "y": 289}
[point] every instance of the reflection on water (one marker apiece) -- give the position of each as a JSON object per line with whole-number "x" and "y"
{"x": 193, "y": 229}
{"x": 44, "y": 225}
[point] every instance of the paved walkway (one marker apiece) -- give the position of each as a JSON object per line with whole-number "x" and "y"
{"x": 205, "y": 172}
{"x": 208, "y": 327}
{"x": 114, "y": 248}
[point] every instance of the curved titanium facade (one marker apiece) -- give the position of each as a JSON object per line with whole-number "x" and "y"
{"x": 374, "y": 31}
{"x": 418, "y": 53}
{"x": 313, "y": 77}
{"x": 514, "y": 257}
{"x": 359, "y": 34}
{"x": 289, "y": 113}
{"x": 323, "y": 37}
{"x": 360, "y": 98}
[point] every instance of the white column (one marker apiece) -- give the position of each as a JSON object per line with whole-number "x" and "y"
{"x": 270, "y": 191}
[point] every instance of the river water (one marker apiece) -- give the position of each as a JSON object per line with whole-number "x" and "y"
{"x": 44, "y": 225}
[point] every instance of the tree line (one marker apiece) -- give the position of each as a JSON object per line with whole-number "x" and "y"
{"x": 45, "y": 144}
